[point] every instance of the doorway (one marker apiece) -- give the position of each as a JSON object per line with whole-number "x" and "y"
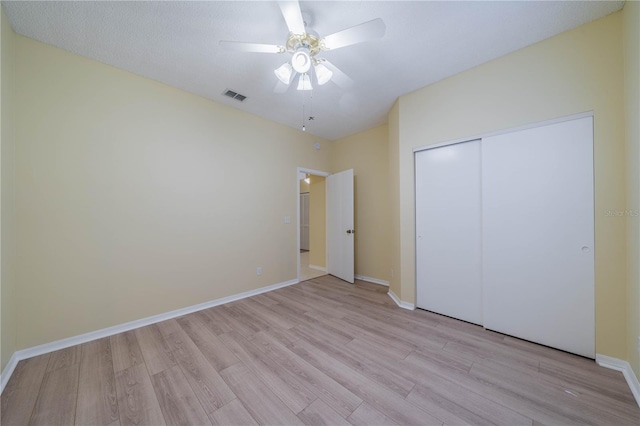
{"x": 312, "y": 250}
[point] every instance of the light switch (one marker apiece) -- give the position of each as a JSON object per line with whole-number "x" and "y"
{"x": 287, "y": 219}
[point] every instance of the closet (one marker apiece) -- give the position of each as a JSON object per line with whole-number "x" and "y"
{"x": 505, "y": 233}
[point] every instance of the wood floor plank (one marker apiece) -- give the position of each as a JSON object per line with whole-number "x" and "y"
{"x": 20, "y": 393}
{"x": 64, "y": 358}
{"x": 592, "y": 391}
{"x": 390, "y": 336}
{"x": 464, "y": 330}
{"x": 336, "y": 396}
{"x": 424, "y": 369}
{"x": 137, "y": 401}
{"x": 545, "y": 353}
{"x": 97, "y": 400}
{"x": 322, "y": 331}
{"x": 356, "y": 361}
{"x": 291, "y": 392}
{"x": 480, "y": 352}
{"x": 240, "y": 323}
{"x": 417, "y": 340}
{"x": 177, "y": 401}
{"x": 312, "y": 298}
{"x": 257, "y": 397}
{"x": 241, "y": 313}
{"x": 256, "y": 309}
{"x": 125, "y": 350}
{"x": 454, "y": 404}
{"x": 209, "y": 344}
{"x": 366, "y": 415}
{"x": 579, "y": 406}
{"x": 56, "y": 403}
{"x": 155, "y": 351}
{"x": 233, "y": 413}
{"x": 399, "y": 349}
{"x": 330, "y": 308}
{"x": 319, "y": 413}
{"x": 390, "y": 404}
{"x": 590, "y": 379}
{"x": 285, "y": 337}
{"x": 208, "y": 385}
{"x": 215, "y": 320}
{"x": 264, "y": 299}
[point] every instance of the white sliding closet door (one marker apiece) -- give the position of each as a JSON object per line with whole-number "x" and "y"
{"x": 448, "y": 231}
{"x": 538, "y": 235}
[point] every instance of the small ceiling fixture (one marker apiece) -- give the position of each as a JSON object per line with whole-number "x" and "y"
{"x": 304, "y": 45}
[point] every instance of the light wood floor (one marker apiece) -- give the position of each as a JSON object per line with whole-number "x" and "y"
{"x": 319, "y": 352}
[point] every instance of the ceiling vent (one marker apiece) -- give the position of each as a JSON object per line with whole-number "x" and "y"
{"x": 234, "y": 95}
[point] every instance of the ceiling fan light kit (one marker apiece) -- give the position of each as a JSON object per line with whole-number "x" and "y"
{"x": 303, "y": 44}
{"x": 323, "y": 74}
{"x": 284, "y": 72}
{"x": 304, "y": 83}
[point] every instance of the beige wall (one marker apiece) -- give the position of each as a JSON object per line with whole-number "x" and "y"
{"x": 367, "y": 154}
{"x": 631, "y": 15}
{"x": 135, "y": 198}
{"x": 317, "y": 222}
{"x": 8, "y": 191}
{"x": 576, "y": 71}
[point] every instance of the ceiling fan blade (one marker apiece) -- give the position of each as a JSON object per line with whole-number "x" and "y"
{"x": 341, "y": 79}
{"x": 363, "y": 32}
{"x": 293, "y": 16}
{"x": 240, "y": 46}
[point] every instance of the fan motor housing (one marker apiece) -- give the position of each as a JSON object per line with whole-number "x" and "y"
{"x": 309, "y": 41}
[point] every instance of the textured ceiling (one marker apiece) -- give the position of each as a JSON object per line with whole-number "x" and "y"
{"x": 177, "y": 43}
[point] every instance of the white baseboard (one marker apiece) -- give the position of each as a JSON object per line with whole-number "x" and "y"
{"x": 318, "y": 268}
{"x": 625, "y": 368}
{"x": 8, "y": 371}
{"x": 403, "y": 305}
{"x": 110, "y": 331}
{"x": 372, "y": 280}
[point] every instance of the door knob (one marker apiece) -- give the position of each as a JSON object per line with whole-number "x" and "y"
{"x": 351, "y": 231}
{"x": 348, "y": 231}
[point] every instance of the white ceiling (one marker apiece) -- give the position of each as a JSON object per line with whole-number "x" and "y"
{"x": 177, "y": 43}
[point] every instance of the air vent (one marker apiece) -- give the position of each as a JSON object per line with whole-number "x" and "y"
{"x": 234, "y": 95}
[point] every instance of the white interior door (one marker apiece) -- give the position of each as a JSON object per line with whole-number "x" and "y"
{"x": 538, "y": 235}
{"x": 340, "y": 229}
{"x": 448, "y": 231}
{"x": 304, "y": 221}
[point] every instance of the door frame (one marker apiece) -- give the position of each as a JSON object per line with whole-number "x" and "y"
{"x": 311, "y": 172}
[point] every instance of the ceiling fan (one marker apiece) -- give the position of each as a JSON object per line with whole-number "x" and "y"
{"x": 304, "y": 46}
